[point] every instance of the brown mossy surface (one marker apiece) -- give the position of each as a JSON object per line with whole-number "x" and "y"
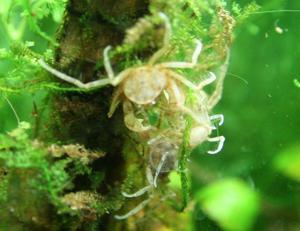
{"x": 88, "y": 28}
{"x": 81, "y": 118}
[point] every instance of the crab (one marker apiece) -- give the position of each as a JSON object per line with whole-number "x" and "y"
{"x": 161, "y": 150}
{"x": 142, "y": 86}
{"x": 200, "y": 133}
{"x": 163, "y": 158}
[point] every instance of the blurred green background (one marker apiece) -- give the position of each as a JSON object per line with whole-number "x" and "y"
{"x": 253, "y": 184}
{"x": 262, "y": 118}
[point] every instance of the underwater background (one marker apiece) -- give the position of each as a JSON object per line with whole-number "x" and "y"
{"x": 254, "y": 183}
{"x": 261, "y": 108}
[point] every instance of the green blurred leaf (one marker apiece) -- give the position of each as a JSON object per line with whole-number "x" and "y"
{"x": 288, "y": 162}
{"x": 231, "y": 203}
{"x": 174, "y": 180}
{"x": 4, "y": 7}
{"x": 297, "y": 83}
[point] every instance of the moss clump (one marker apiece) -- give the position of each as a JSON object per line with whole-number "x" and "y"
{"x": 40, "y": 176}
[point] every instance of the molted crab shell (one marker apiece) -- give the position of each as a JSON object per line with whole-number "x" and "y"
{"x": 160, "y": 147}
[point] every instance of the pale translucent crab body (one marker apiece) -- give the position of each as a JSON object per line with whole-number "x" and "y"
{"x": 200, "y": 133}
{"x": 142, "y": 86}
{"x": 145, "y": 84}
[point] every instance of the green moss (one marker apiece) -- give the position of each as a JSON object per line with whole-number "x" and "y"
{"x": 33, "y": 170}
{"x": 3, "y": 186}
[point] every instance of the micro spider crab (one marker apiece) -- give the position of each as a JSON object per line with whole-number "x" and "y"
{"x": 163, "y": 157}
{"x": 161, "y": 150}
{"x": 142, "y": 86}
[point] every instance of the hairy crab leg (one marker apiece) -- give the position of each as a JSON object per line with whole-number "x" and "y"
{"x": 191, "y": 85}
{"x": 192, "y": 64}
{"x": 133, "y": 211}
{"x": 168, "y": 30}
{"x": 107, "y": 64}
{"x": 149, "y": 176}
{"x": 114, "y": 80}
{"x": 94, "y": 84}
{"x": 218, "y": 117}
{"x": 116, "y": 100}
{"x": 143, "y": 190}
{"x": 137, "y": 193}
{"x": 168, "y": 27}
{"x": 159, "y": 167}
{"x": 221, "y": 140}
{"x": 179, "y": 101}
{"x": 111, "y": 80}
{"x": 212, "y": 77}
{"x": 217, "y": 93}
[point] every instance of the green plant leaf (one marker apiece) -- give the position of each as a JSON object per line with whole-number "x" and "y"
{"x": 174, "y": 180}
{"x": 231, "y": 203}
{"x": 297, "y": 83}
{"x": 288, "y": 162}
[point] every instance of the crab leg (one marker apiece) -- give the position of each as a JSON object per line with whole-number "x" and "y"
{"x": 114, "y": 80}
{"x": 217, "y": 93}
{"x": 143, "y": 203}
{"x": 168, "y": 30}
{"x": 159, "y": 167}
{"x": 167, "y": 27}
{"x": 219, "y": 117}
{"x": 94, "y": 84}
{"x": 111, "y": 80}
{"x": 133, "y": 211}
{"x": 107, "y": 64}
{"x": 143, "y": 190}
{"x": 114, "y": 102}
{"x": 221, "y": 140}
{"x": 179, "y": 101}
{"x": 191, "y": 85}
{"x": 192, "y": 64}
{"x": 212, "y": 77}
{"x": 137, "y": 193}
